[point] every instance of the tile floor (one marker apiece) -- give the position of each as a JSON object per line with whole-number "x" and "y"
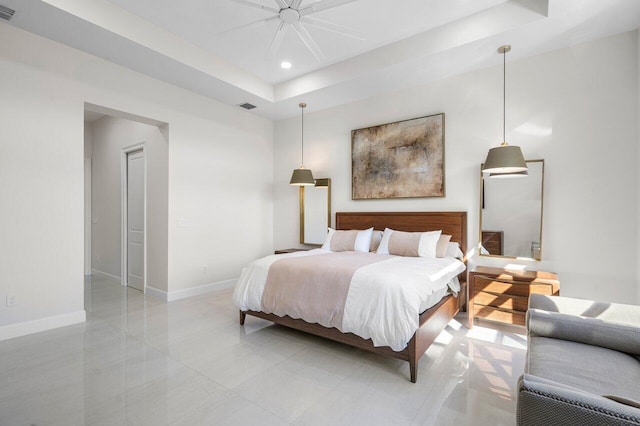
{"x": 138, "y": 360}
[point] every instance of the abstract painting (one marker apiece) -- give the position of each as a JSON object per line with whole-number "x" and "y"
{"x": 404, "y": 159}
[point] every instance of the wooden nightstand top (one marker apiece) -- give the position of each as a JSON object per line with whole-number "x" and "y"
{"x": 512, "y": 275}
{"x": 290, "y": 250}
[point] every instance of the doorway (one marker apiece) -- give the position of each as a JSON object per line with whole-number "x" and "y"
{"x": 134, "y": 217}
{"x": 129, "y": 177}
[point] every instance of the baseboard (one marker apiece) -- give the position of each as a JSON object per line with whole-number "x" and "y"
{"x": 154, "y": 292}
{"x": 189, "y": 292}
{"x": 43, "y": 324}
{"x": 106, "y": 275}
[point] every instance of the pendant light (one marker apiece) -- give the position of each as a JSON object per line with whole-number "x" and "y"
{"x": 302, "y": 176}
{"x": 505, "y": 158}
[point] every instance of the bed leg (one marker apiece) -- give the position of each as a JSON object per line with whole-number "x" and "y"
{"x": 243, "y": 315}
{"x": 463, "y": 297}
{"x": 413, "y": 359}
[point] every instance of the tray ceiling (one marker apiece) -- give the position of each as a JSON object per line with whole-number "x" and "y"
{"x": 367, "y": 47}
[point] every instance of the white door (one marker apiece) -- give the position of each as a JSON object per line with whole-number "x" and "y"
{"x": 135, "y": 220}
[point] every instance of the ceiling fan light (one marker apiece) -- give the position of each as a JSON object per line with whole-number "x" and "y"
{"x": 302, "y": 177}
{"x": 504, "y": 159}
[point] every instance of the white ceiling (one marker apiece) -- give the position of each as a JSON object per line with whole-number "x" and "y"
{"x": 402, "y": 44}
{"x": 379, "y": 21}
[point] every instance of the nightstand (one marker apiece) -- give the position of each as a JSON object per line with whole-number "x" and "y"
{"x": 290, "y": 250}
{"x": 502, "y": 295}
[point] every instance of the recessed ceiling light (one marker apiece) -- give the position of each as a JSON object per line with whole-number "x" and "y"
{"x": 286, "y": 65}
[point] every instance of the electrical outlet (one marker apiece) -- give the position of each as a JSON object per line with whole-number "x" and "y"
{"x": 11, "y": 300}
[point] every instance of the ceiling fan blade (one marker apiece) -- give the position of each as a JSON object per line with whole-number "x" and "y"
{"x": 308, "y": 40}
{"x": 282, "y": 4}
{"x": 334, "y": 28}
{"x": 277, "y": 39}
{"x": 295, "y": 4}
{"x": 256, "y": 5}
{"x": 249, "y": 25}
{"x": 322, "y": 5}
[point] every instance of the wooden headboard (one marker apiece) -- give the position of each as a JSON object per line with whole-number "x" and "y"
{"x": 451, "y": 223}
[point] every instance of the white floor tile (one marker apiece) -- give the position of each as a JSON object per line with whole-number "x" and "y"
{"x": 138, "y": 360}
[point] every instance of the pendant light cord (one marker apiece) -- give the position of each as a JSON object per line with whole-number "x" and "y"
{"x": 302, "y": 138}
{"x": 504, "y": 98}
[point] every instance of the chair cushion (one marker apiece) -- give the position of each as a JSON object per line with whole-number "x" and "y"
{"x": 622, "y": 335}
{"x": 589, "y": 368}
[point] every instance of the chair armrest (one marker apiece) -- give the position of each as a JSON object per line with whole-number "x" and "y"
{"x": 590, "y": 331}
{"x": 544, "y": 402}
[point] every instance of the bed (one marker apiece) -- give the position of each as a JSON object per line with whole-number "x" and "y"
{"x": 428, "y": 323}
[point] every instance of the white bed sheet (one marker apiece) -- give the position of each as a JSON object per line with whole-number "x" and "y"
{"x": 436, "y": 297}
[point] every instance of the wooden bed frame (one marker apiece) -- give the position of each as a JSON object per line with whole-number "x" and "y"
{"x": 432, "y": 321}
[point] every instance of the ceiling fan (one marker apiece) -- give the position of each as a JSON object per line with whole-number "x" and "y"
{"x": 291, "y": 14}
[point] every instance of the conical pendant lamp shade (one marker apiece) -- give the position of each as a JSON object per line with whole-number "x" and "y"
{"x": 302, "y": 176}
{"x": 505, "y": 158}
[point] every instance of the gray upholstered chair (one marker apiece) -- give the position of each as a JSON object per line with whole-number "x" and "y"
{"x": 583, "y": 363}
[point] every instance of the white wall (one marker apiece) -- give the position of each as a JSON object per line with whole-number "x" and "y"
{"x": 637, "y": 171}
{"x": 41, "y": 192}
{"x": 221, "y": 199}
{"x": 576, "y": 108}
{"x": 88, "y": 140}
{"x": 220, "y": 177}
{"x": 110, "y": 136}
{"x": 88, "y": 147}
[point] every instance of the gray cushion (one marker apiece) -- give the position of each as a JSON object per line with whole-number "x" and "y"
{"x": 617, "y": 313}
{"x": 589, "y": 368}
{"x": 592, "y": 331}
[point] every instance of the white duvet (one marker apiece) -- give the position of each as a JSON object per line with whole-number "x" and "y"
{"x": 384, "y": 298}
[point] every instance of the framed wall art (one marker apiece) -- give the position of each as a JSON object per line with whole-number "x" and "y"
{"x": 404, "y": 159}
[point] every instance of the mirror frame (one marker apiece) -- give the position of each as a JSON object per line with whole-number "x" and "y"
{"x": 322, "y": 182}
{"x": 541, "y": 216}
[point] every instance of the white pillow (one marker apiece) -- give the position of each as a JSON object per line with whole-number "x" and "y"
{"x": 383, "y": 247}
{"x": 376, "y": 237}
{"x": 426, "y": 246}
{"x": 361, "y": 243}
{"x": 453, "y": 250}
{"x": 327, "y": 241}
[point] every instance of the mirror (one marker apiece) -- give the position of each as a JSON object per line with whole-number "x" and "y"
{"x": 315, "y": 212}
{"x": 511, "y": 214}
